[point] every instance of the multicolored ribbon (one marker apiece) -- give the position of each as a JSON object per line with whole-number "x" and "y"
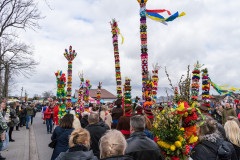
{"x": 154, "y": 15}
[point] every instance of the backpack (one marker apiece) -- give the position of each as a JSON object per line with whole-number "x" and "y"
{"x": 223, "y": 151}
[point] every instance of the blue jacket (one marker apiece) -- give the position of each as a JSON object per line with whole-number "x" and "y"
{"x": 62, "y": 136}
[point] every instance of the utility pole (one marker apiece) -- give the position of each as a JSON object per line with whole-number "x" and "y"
{"x": 21, "y": 93}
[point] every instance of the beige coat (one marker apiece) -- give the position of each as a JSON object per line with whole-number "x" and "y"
{"x": 76, "y": 122}
{"x": 106, "y": 117}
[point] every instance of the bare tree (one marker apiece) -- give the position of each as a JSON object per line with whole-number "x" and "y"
{"x": 19, "y": 14}
{"x": 47, "y": 94}
{"x": 15, "y": 58}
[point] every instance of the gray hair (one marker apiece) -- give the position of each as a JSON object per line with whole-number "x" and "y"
{"x": 113, "y": 143}
{"x": 93, "y": 118}
{"x": 138, "y": 123}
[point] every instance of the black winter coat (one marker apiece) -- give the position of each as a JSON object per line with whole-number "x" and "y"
{"x": 208, "y": 150}
{"x": 84, "y": 121}
{"x": 62, "y": 136}
{"x": 125, "y": 157}
{"x": 76, "y": 153}
{"x": 237, "y": 149}
{"x": 96, "y": 132}
{"x": 140, "y": 147}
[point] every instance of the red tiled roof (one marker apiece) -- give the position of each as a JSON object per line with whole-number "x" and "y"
{"x": 104, "y": 94}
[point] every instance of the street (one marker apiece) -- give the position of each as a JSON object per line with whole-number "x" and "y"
{"x": 23, "y": 147}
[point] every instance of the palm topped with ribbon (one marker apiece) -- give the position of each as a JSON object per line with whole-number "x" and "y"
{"x": 69, "y": 55}
{"x": 115, "y": 33}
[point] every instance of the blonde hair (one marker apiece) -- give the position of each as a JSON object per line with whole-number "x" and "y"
{"x": 79, "y": 136}
{"x": 232, "y": 132}
{"x": 112, "y": 143}
{"x": 232, "y": 118}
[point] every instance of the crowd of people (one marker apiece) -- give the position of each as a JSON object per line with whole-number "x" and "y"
{"x": 112, "y": 133}
{"x": 108, "y": 133}
{"x": 14, "y": 115}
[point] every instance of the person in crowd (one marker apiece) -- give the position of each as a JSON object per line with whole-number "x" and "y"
{"x": 55, "y": 115}
{"x": 96, "y": 130}
{"x": 117, "y": 112}
{"x": 210, "y": 142}
{"x": 124, "y": 123}
{"x": 84, "y": 120}
{"x": 3, "y": 129}
{"x": 112, "y": 146}
{"x": 76, "y": 121}
{"x": 13, "y": 120}
{"x": 79, "y": 143}
{"x": 139, "y": 110}
{"x": 233, "y": 135}
{"x": 139, "y": 146}
{"x": 22, "y": 116}
{"x": 49, "y": 118}
{"x": 34, "y": 112}
{"x": 30, "y": 113}
{"x": 228, "y": 111}
{"x": 217, "y": 113}
{"x": 43, "y": 113}
{"x": 61, "y": 134}
{"x": 18, "y": 109}
{"x": 234, "y": 119}
{"x": 105, "y": 116}
{"x": 148, "y": 128}
{"x": 238, "y": 111}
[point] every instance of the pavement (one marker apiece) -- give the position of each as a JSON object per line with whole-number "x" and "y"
{"x": 30, "y": 144}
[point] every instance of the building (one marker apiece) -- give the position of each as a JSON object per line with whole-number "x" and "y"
{"x": 106, "y": 96}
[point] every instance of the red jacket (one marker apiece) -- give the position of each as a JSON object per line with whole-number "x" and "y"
{"x": 55, "y": 115}
{"x": 48, "y": 113}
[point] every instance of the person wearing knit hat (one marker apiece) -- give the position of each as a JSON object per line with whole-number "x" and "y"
{"x": 148, "y": 110}
{"x": 124, "y": 123}
{"x": 139, "y": 110}
{"x": 117, "y": 112}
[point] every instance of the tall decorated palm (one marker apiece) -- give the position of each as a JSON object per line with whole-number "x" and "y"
{"x": 205, "y": 89}
{"x": 61, "y": 93}
{"x": 155, "y": 81}
{"x": 144, "y": 50}
{"x": 195, "y": 82}
{"x": 115, "y": 33}
{"x": 127, "y": 94}
{"x": 69, "y": 55}
{"x": 99, "y": 92}
{"x": 80, "y": 106}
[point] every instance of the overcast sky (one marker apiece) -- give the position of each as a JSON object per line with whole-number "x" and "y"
{"x": 209, "y": 33}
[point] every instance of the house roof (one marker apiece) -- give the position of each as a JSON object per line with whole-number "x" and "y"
{"x": 105, "y": 94}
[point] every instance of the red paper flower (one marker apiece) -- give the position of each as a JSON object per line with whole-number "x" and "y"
{"x": 175, "y": 158}
{"x": 187, "y": 150}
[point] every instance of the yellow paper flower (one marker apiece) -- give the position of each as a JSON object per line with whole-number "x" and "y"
{"x": 180, "y": 138}
{"x": 173, "y": 148}
{"x": 185, "y": 114}
{"x": 163, "y": 144}
{"x": 178, "y": 144}
{"x": 193, "y": 139}
{"x": 181, "y": 107}
{"x": 182, "y": 129}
